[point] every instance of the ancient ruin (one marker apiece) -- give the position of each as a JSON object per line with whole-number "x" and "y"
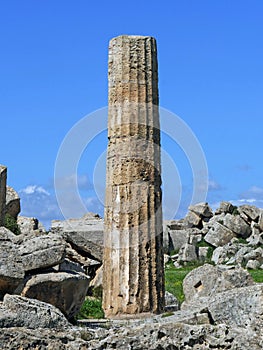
{"x": 133, "y": 280}
{"x": 3, "y": 175}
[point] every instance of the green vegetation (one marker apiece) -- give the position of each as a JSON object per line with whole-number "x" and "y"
{"x": 209, "y": 254}
{"x": 257, "y": 275}
{"x": 11, "y": 224}
{"x": 174, "y": 280}
{"x": 91, "y": 308}
{"x": 242, "y": 240}
{"x": 167, "y": 314}
{"x": 235, "y": 211}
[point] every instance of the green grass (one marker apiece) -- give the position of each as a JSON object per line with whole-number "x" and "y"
{"x": 257, "y": 275}
{"x": 174, "y": 280}
{"x": 11, "y": 224}
{"x": 91, "y": 308}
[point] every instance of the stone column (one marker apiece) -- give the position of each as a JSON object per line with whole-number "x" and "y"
{"x": 133, "y": 279}
{"x": 3, "y": 175}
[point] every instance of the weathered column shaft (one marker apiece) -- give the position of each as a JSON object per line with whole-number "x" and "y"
{"x": 133, "y": 255}
{"x": 3, "y": 175}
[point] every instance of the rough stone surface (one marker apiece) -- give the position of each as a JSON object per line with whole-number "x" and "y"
{"x": 64, "y": 290}
{"x": 27, "y": 225}
{"x": 89, "y": 265}
{"x": 238, "y": 225}
{"x": 17, "y": 311}
{"x": 20, "y": 338}
{"x": 192, "y": 220}
{"x": 174, "y": 335}
{"x": 253, "y": 265}
{"x": 241, "y": 307}
{"x": 3, "y": 175}
{"x": 97, "y": 281}
{"x": 207, "y": 280}
{"x": 11, "y": 267}
{"x": 188, "y": 253}
{"x": 219, "y": 235}
{"x": 260, "y": 221}
{"x": 171, "y": 302}
{"x": 84, "y": 234}
{"x": 201, "y": 209}
{"x": 133, "y": 254}
{"x": 42, "y": 252}
{"x": 225, "y": 207}
{"x": 12, "y": 206}
{"x": 250, "y": 211}
{"x": 178, "y": 238}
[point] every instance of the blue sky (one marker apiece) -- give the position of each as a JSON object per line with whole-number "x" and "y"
{"x": 53, "y": 68}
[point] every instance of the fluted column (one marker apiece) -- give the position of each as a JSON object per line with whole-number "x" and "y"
{"x": 133, "y": 254}
{"x": 3, "y": 174}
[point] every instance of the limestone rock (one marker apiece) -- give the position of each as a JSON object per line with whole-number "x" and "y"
{"x": 260, "y": 220}
{"x": 225, "y": 207}
{"x": 218, "y": 235}
{"x": 187, "y": 253}
{"x": 178, "y": 238}
{"x": 241, "y": 307}
{"x": 7, "y": 235}
{"x": 207, "y": 280}
{"x": 202, "y": 253}
{"x": 202, "y": 210}
{"x": 70, "y": 266}
{"x": 21, "y": 338}
{"x": 253, "y": 265}
{"x": 84, "y": 234}
{"x": 256, "y": 238}
{"x": 11, "y": 267}
{"x": 97, "y": 281}
{"x": 87, "y": 264}
{"x": 3, "y": 175}
{"x": 27, "y": 225}
{"x": 251, "y": 212}
{"x": 238, "y": 225}
{"x": 12, "y": 206}
{"x": 171, "y": 302}
{"x": 42, "y": 252}
{"x": 192, "y": 220}
{"x": 17, "y": 311}
{"x": 64, "y": 290}
{"x": 178, "y": 336}
{"x": 170, "y": 226}
{"x": 256, "y": 254}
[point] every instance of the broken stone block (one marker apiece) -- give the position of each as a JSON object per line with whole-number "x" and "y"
{"x": 202, "y": 210}
{"x": 218, "y": 235}
{"x": 17, "y": 311}
{"x": 42, "y": 252}
{"x": 253, "y": 265}
{"x": 207, "y": 280}
{"x": 225, "y": 207}
{"x": 11, "y": 267}
{"x": 238, "y": 225}
{"x": 188, "y": 253}
{"x": 251, "y": 212}
{"x": 192, "y": 220}
{"x": 12, "y": 206}
{"x": 64, "y": 290}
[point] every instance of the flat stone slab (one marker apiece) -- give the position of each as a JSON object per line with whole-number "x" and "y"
{"x": 42, "y": 252}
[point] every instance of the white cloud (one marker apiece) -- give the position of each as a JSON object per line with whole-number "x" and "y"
{"x": 37, "y": 202}
{"x": 31, "y": 189}
{"x": 214, "y": 186}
